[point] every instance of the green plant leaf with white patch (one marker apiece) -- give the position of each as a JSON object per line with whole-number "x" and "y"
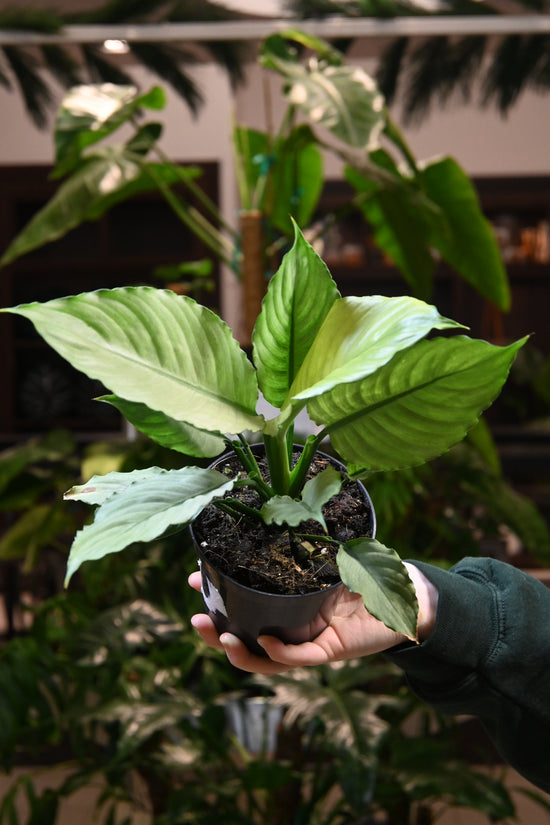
{"x": 316, "y": 493}
{"x": 143, "y": 509}
{"x": 377, "y": 573}
{"x": 341, "y": 98}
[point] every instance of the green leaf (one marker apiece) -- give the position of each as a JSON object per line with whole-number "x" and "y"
{"x": 359, "y": 335}
{"x": 55, "y": 446}
{"x": 282, "y": 177}
{"x": 401, "y": 221}
{"x": 377, "y": 573}
{"x": 99, "y": 488}
{"x": 298, "y": 298}
{"x": 38, "y": 526}
{"x": 157, "y": 348}
{"x": 175, "y": 435}
{"x": 343, "y": 99}
{"x": 416, "y": 406}
{"x": 105, "y": 179}
{"x": 297, "y": 180}
{"x": 89, "y": 113}
{"x": 144, "y": 509}
{"x": 317, "y": 491}
{"x": 469, "y": 243}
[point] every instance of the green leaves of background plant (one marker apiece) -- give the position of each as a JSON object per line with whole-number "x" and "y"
{"x": 89, "y": 113}
{"x": 343, "y": 99}
{"x": 102, "y": 178}
{"x": 142, "y": 344}
{"x": 281, "y": 176}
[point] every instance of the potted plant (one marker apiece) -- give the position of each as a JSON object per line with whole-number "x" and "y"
{"x": 387, "y": 396}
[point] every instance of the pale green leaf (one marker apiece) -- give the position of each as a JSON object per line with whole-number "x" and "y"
{"x": 175, "y": 435}
{"x": 157, "y": 348}
{"x": 285, "y": 510}
{"x": 99, "y": 488}
{"x": 145, "y": 509}
{"x": 316, "y": 493}
{"x": 418, "y": 405}
{"x": 377, "y": 573}
{"x": 359, "y": 335}
{"x": 298, "y": 299}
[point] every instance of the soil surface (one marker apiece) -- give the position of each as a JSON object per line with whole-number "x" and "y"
{"x": 276, "y": 559}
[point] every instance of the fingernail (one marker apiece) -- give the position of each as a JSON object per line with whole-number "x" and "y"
{"x": 230, "y": 641}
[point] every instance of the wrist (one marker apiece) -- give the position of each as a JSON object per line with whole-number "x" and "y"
{"x": 427, "y": 596}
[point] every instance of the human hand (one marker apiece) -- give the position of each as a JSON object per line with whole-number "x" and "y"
{"x": 352, "y": 633}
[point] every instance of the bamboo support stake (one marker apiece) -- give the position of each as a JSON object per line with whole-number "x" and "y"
{"x": 252, "y": 269}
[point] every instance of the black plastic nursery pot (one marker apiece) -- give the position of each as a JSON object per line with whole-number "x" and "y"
{"x": 249, "y": 612}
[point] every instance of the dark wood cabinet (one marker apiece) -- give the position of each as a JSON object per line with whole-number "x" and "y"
{"x": 39, "y": 389}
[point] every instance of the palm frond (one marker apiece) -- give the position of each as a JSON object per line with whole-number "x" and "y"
{"x": 515, "y": 64}
{"x": 426, "y": 69}
{"x": 103, "y": 71}
{"x": 166, "y": 61}
{"x": 117, "y": 11}
{"x": 36, "y": 94}
{"x": 230, "y": 56}
{"x": 391, "y": 66}
{"x": 61, "y": 65}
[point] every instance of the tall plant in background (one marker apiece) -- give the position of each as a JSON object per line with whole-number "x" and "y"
{"x": 420, "y": 213}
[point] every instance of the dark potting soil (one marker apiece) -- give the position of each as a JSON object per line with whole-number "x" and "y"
{"x": 275, "y": 559}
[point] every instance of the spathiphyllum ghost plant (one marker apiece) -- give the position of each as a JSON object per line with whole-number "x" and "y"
{"x": 384, "y": 394}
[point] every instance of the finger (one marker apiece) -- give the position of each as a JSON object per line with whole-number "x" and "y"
{"x": 307, "y": 654}
{"x": 240, "y": 657}
{"x": 195, "y": 580}
{"x": 206, "y": 629}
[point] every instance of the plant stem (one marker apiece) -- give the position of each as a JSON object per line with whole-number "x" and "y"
{"x": 277, "y": 458}
{"x": 248, "y": 460}
{"x": 394, "y": 133}
{"x": 236, "y": 508}
{"x": 198, "y": 193}
{"x": 299, "y": 472}
{"x": 196, "y": 222}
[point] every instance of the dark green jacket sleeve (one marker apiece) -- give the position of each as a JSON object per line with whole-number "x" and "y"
{"x": 489, "y": 656}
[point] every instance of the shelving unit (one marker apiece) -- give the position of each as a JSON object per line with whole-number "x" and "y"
{"x": 518, "y": 208}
